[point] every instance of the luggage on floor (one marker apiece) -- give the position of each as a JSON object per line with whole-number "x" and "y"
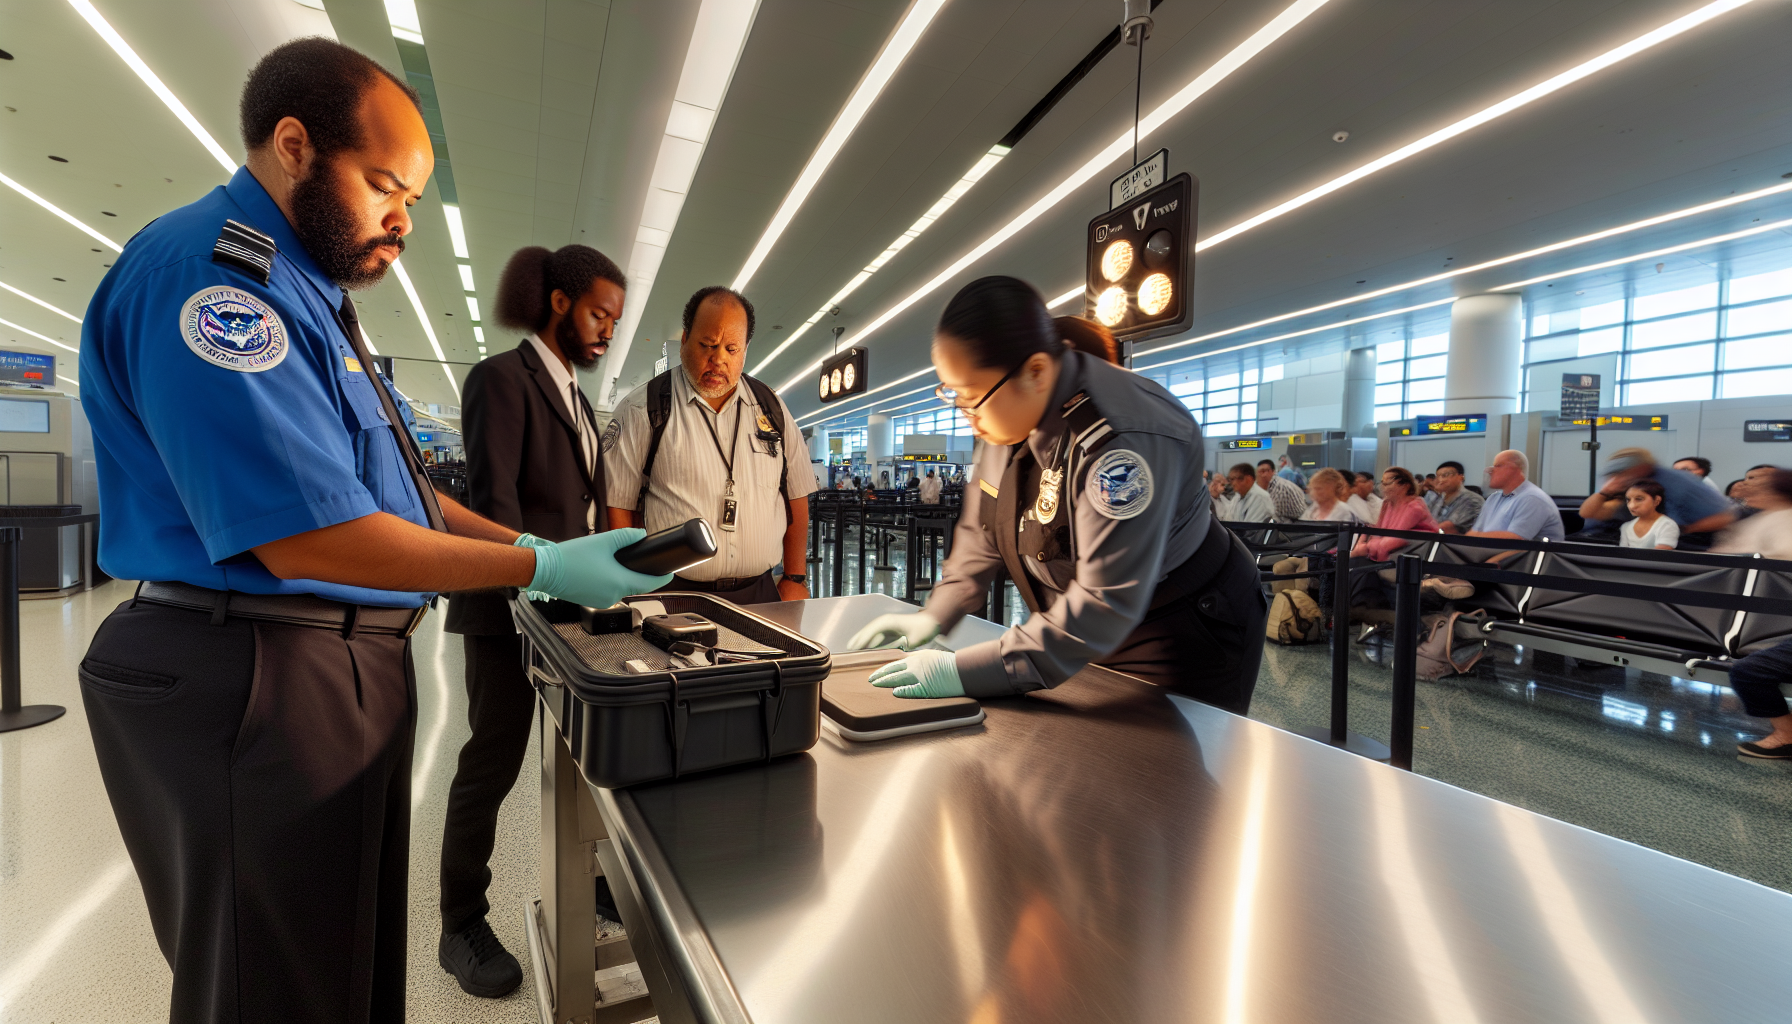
{"x": 1294, "y": 618}
{"x": 1453, "y": 643}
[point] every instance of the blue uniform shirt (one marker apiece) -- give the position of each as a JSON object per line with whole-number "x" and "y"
{"x": 227, "y": 413}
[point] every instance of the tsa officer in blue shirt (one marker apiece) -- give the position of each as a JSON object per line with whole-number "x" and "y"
{"x": 253, "y": 705}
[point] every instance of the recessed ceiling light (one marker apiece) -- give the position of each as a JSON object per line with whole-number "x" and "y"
{"x": 62, "y": 279}
{"x": 60, "y": 159}
{"x": 109, "y": 213}
{"x": 28, "y": 297}
{"x": 466, "y": 277}
{"x": 5, "y": 56}
{"x": 34, "y": 334}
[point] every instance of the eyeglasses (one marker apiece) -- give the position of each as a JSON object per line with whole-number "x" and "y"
{"x": 949, "y": 396}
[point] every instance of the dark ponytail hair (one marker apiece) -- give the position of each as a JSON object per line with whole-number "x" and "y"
{"x": 1002, "y": 321}
{"x": 533, "y": 275}
{"x": 1089, "y": 338}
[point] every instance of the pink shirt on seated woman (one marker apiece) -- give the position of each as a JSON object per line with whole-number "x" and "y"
{"x": 1401, "y": 509}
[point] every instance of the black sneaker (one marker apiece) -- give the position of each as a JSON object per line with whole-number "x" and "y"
{"x": 1783, "y": 752}
{"x": 479, "y": 961}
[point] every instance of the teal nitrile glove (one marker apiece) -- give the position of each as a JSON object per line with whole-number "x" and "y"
{"x": 905, "y": 631}
{"x": 529, "y": 540}
{"x": 922, "y": 674}
{"x": 584, "y": 570}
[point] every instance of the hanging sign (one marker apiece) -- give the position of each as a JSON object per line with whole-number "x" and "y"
{"x": 1140, "y": 180}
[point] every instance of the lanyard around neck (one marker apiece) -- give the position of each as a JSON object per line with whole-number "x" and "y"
{"x": 733, "y": 443}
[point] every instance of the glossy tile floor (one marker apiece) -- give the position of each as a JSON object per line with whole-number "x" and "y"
{"x": 1639, "y": 756}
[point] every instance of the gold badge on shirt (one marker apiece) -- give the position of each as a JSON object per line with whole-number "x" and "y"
{"x": 1046, "y": 508}
{"x": 765, "y": 425}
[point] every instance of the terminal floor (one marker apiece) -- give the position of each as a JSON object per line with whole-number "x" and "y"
{"x": 1634, "y": 755}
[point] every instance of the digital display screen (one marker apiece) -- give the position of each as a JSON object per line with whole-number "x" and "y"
{"x": 1767, "y": 430}
{"x": 1472, "y": 423}
{"x": 24, "y": 416}
{"x": 1628, "y": 422}
{"x": 1248, "y": 444}
{"x": 931, "y": 457}
{"x": 27, "y": 369}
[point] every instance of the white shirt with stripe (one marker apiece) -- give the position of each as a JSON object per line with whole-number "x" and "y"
{"x": 690, "y": 476}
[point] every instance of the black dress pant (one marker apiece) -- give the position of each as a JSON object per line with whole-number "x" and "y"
{"x": 261, "y": 776}
{"x": 501, "y": 709}
{"x": 1208, "y": 644}
{"x": 1757, "y": 678}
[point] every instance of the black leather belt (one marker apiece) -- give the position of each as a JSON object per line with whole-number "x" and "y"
{"x": 717, "y": 586}
{"x": 290, "y": 609}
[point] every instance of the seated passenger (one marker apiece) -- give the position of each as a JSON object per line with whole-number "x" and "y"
{"x": 1517, "y": 508}
{"x": 1696, "y": 508}
{"x": 1698, "y": 466}
{"x": 1330, "y": 493}
{"x": 1454, "y": 506}
{"x": 1401, "y": 509}
{"x": 1742, "y": 492}
{"x": 1247, "y": 503}
{"x": 1363, "y": 500}
{"x": 1650, "y": 529}
{"x": 1291, "y": 473}
{"x": 1290, "y": 501}
{"x": 1757, "y": 677}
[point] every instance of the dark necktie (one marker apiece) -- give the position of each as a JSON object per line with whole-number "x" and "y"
{"x": 407, "y": 445}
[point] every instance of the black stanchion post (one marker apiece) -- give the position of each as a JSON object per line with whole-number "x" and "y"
{"x": 1341, "y": 638}
{"x": 13, "y": 713}
{"x": 839, "y": 549}
{"x": 911, "y": 560}
{"x": 1408, "y": 571}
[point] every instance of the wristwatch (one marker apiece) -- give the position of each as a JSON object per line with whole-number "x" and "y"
{"x": 801, "y": 581}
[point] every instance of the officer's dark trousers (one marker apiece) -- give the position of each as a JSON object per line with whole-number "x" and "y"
{"x": 260, "y": 774}
{"x": 1757, "y": 678}
{"x": 1208, "y": 644}
{"x": 500, "y": 708}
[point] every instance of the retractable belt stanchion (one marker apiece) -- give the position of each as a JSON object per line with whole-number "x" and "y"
{"x": 1408, "y": 572}
{"x": 839, "y": 549}
{"x": 14, "y": 715}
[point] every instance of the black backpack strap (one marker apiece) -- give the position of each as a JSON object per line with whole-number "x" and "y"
{"x": 659, "y": 413}
{"x": 773, "y": 410}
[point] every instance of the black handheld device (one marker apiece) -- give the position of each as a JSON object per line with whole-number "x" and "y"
{"x": 670, "y": 550}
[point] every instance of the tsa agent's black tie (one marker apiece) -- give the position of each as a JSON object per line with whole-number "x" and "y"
{"x": 407, "y": 445}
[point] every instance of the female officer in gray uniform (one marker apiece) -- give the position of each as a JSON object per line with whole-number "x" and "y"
{"x": 1089, "y": 491}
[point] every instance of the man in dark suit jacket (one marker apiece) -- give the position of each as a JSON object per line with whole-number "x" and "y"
{"x": 534, "y": 464}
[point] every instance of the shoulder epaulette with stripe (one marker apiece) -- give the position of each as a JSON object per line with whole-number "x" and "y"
{"x": 1089, "y": 429}
{"x": 247, "y": 249}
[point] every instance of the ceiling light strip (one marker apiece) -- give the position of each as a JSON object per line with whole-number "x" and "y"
{"x": 870, "y": 412}
{"x": 52, "y": 207}
{"x": 40, "y": 337}
{"x": 135, "y": 63}
{"x": 860, "y": 398}
{"x": 71, "y": 380}
{"x": 925, "y": 221}
{"x": 410, "y": 292}
{"x": 717, "y": 40}
{"x": 1241, "y": 54}
{"x": 920, "y": 14}
{"x": 1597, "y": 236}
{"x": 28, "y": 297}
{"x": 1588, "y": 268}
{"x": 1505, "y": 106}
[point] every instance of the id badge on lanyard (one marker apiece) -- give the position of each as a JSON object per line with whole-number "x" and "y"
{"x": 730, "y": 508}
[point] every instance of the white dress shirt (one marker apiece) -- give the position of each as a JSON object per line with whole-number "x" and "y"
{"x": 568, "y": 390}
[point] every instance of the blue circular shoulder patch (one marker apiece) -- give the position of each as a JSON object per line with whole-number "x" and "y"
{"x": 231, "y": 328}
{"x": 1120, "y": 484}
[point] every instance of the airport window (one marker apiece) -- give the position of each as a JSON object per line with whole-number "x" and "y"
{"x": 1226, "y": 404}
{"x": 1717, "y": 339}
{"x": 937, "y": 419}
{"x": 1409, "y": 377}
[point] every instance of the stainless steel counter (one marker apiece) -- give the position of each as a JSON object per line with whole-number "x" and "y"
{"x": 1106, "y": 852}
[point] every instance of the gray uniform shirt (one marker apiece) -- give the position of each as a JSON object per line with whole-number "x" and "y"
{"x": 1139, "y": 510}
{"x": 689, "y": 476}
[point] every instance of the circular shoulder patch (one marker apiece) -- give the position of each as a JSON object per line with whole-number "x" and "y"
{"x": 611, "y": 433}
{"x": 1120, "y": 484}
{"x": 231, "y": 328}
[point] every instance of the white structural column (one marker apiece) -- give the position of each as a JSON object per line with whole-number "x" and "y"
{"x": 880, "y": 439}
{"x": 818, "y": 445}
{"x": 1359, "y": 391}
{"x": 1486, "y": 355}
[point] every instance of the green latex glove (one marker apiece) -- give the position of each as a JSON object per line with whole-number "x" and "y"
{"x": 584, "y": 570}
{"x": 922, "y": 674}
{"x": 905, "y": 631}
{"x": 529, "y": 540}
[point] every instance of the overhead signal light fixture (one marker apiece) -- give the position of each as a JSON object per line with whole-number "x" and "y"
{"x": 843, "y": 376}
{"x": 1144, "y": 297}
